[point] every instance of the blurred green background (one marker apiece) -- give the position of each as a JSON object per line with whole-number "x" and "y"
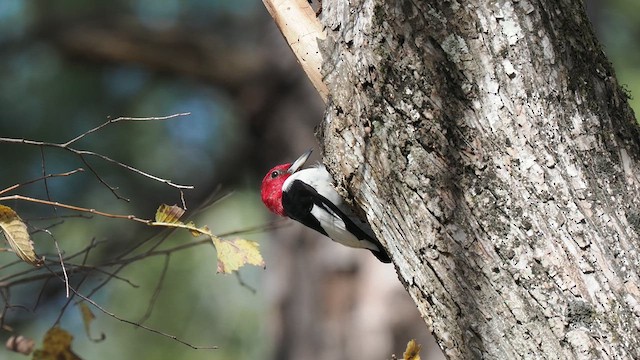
{"x": 66, "y": 66}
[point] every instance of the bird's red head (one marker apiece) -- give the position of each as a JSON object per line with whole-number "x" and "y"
{"x": 271, "y": 188}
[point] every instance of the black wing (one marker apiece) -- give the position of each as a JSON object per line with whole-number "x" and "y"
{"x": 299, "y": 200}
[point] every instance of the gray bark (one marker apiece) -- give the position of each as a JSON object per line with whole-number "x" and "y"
{"x": 495, "y": 155}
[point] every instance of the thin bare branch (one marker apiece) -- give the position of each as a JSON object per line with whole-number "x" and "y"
{"x": 156, "y": 292}
{"x": 101, "y": 180}
{"x": 13, "y": 187}
{"x": 59, "y": 216}
{"x": 76, "y": 208}
{"x": 12, "y": 263}
{"x": 184, "y": 203}
{"x": 244, "y": 284}
{"x": 121, "y": 262}
{"x": 119, "y": 119}
{"x": 130, "y": 168}
{"x": 23, "y": 277}
{"x": 40, "y": 293}
{"x": 44, "y": 178}
{"x": 83, "y": 153}
{"x": 64, "y": 270}
{"x": 113, "y": 315}
{"x": 66, "y": 305}
{"x": 69, "y": 299}
{"x": 161, "y": 252}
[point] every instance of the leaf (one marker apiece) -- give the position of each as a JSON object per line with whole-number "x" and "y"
{"x": 16, "y": 234}
{"x": 196, "y": 231}
{"x": 20, "y": 344}
{"x": 56, "y": 346}
{"x": 87, "y": 319}
{"x": 413, "y": 351}
{"x": 169, "y": 214}
{"x": 234, "y": 254}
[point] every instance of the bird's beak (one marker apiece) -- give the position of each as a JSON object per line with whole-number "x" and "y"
{"x": 299, "y": 162}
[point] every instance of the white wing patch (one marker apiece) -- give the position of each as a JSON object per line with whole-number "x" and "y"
{"x": 320, "y": 179}
{"x": 337, "y": 231}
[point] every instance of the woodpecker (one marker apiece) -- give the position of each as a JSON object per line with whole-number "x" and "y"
{"x": 309, "y": 197}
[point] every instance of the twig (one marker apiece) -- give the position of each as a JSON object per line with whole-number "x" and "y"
{"x": 161, "y": 252}
{"x": 128, "y": 167}
{"x": 13, "y": 187}
{"x": 69, "y": 299}
{"x": 101, "y": 180}
{"x": 4, "y": 293}
{"x": 15, "y": 262}
{"x": 66, "y": 305}
{"x": 40, "y": 294}
{"x": 64, "y": 270}
{"x": 6, "y": 281}
{"x": 156, "y": 292}
{"x": 120, "y": 262}
{"x": 244, "y": 284}
{"x": 113, "y": 121}
{"x": 184, "y": 203}
{"x": 59, "y": 216}
{"x": 94, "y": 243}
{"x": 55, "y": 242}
{"x": 113, "y": 274}
{"x": 76, "y": 208}
{"x": 103, "y": 310}
{"x": 44, "y": 180}
{"x": 83, "y": 153}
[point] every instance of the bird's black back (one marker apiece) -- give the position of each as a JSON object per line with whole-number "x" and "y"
{"x": 298, "y": 201}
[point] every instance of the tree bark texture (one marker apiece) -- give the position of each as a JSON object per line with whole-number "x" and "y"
{"x": 495, "y": 155}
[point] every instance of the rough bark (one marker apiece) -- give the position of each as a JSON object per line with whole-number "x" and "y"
{"x": 495, "y": 155}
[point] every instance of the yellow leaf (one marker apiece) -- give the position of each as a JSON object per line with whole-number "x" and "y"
{"x": 56, "y": 346}
{"x": 87, "y": 317}
{"x": 413, "y": 351}
{"x": 196, "y": 231}
{"x": 16, "y": 234}
{"x": 232, "y": 255}
{"x": 169, "y": 214}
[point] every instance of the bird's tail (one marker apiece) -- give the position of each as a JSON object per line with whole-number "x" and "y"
{"x": 381, "y": 254}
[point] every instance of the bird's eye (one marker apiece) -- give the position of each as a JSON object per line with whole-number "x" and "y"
{"x": 275, "y": 174}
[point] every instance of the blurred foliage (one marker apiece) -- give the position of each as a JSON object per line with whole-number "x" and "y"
{"x": 617, "y": 24}
{"x": 49, "y": 95}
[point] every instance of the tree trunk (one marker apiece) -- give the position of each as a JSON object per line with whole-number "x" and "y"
{"x": 492, "y": 150}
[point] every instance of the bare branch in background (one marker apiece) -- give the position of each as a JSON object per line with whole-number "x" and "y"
{"x": 156, "y": 291}
{"x": 120, "y": 119}
{"x": 68, "y": 173}
{"x": 74, "y": 274}
{"x": 82, "y": 154}
{"x": 113, "y": 315}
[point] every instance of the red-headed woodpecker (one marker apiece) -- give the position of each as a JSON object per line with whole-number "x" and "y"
{"x": 309, "y": 197}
